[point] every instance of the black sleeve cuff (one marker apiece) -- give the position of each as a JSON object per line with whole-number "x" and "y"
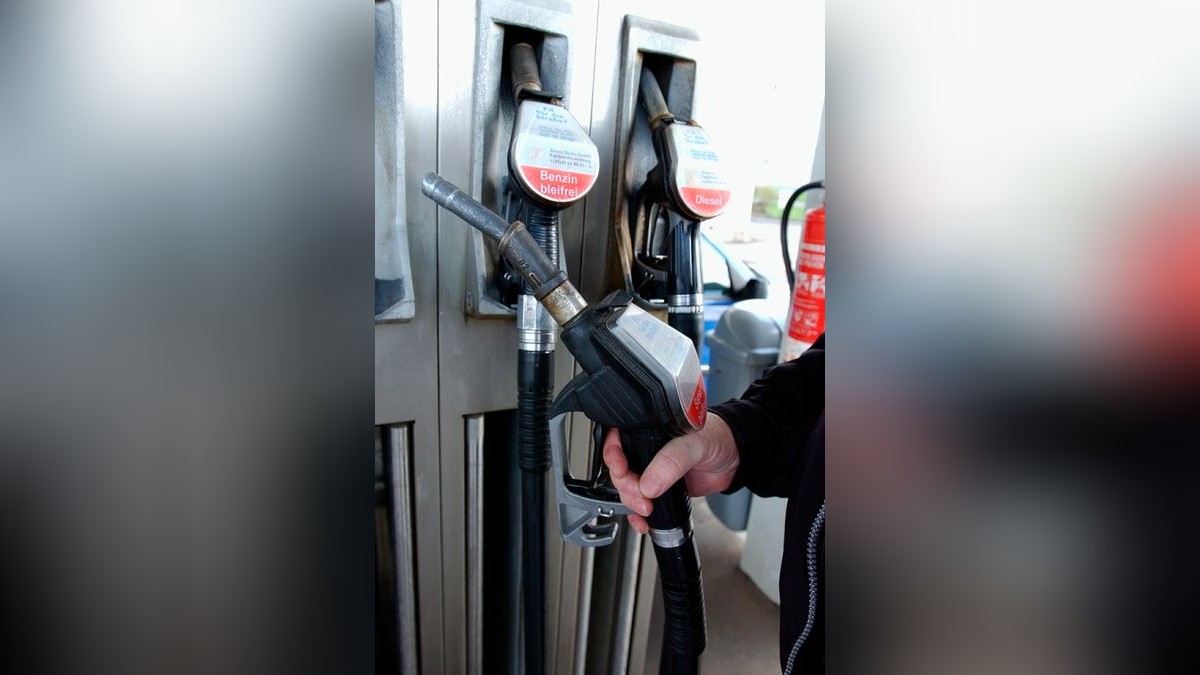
{"x": 757, "y": 437}
{"x": 772, "y": 421}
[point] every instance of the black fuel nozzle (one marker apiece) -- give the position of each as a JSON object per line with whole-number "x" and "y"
{"x": 689, "y": 177}
{"x": 640, "y": 376}
{"x": 686, "y": 186}
{"x": 642, "y": 353}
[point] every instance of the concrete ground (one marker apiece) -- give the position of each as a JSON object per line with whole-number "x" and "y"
{"x": 743, "y": 624}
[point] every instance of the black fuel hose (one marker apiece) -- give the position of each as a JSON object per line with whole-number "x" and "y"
{"x": 671, "y": 519}
{"x": 535, "y": 375}
{"x": 684, "y": 285}
{"x": 535, "y": 389}
{"x": 685, "y": 299}
{"x": 684, "y": 629}
{"x": 783, "y": 227}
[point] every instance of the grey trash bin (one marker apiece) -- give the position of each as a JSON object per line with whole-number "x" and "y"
{"x": 744, "y": 343}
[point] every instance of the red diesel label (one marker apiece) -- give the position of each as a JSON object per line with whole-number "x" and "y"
{"x": 697, "y": 411}
{"x": 706, "y": 201}
{"x": 698, "y": 176}
{"x": 557, "y": 184}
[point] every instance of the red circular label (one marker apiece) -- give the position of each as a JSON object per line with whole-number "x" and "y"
{"x": 556, "y": 184}
{"x": 705, "y": 202}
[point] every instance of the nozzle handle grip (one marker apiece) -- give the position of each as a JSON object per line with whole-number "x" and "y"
{"x": 671, "y": 509}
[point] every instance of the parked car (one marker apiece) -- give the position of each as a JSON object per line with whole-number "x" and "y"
{"x": 727, "y": 279}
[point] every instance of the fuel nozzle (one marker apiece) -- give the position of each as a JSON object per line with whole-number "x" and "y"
{"x": 549, "y": 283}
{"x": 613, "y": 340}
{"x": 638, "y": 375}
{"x": 689, "y": 175}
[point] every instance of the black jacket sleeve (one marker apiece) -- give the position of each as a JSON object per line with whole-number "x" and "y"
{"x": 773, "y": 420}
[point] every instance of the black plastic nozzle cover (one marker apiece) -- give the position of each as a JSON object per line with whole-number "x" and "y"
{"x": 516, "y": 244}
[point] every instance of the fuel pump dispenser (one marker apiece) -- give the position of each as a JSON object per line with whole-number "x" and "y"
{"x": 552, "y": 165}
{"x": 638, "y": 375}
{"x": 686, "y": 187}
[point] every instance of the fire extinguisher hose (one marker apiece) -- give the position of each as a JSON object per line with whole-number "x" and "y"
{"x": 783, "y": 227}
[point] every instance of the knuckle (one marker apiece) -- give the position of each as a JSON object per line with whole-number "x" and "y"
{"x": 626, "y": 484}
{"x": 615, "y": 461}
{"x": 630, "y": 501}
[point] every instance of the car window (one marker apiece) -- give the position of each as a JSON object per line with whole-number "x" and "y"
{"x": 713, "y": 268}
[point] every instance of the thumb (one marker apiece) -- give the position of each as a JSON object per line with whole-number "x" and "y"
{"x": 668, "y": 466}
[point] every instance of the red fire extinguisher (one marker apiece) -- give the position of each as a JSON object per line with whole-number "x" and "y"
{"x": 806, "y": 318}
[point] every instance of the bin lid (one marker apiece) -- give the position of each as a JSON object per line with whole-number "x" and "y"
{"x": 749, "y": 332}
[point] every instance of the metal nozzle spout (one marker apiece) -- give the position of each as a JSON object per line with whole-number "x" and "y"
{"x": 550, "y": 285}
{"x": 524, "y": 66}
{"x": 460, "y": 204}
{"x": 652, "y": 98}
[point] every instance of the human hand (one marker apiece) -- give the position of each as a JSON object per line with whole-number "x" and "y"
{"x": 706, "y": 460}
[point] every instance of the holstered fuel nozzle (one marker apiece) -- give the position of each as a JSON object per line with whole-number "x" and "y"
{"x": 552, "y": 160}
{"x": 689, "y": 176}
